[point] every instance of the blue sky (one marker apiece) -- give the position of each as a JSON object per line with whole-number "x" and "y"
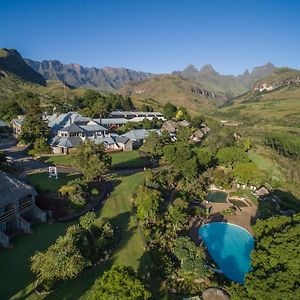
{"x": 155, "y": 36}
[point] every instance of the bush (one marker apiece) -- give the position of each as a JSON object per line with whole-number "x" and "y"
{"x": 77, "y": 199}
{"x": 95, "y": 192}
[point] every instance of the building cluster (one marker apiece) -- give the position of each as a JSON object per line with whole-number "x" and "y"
{"x": 70, "y": 129}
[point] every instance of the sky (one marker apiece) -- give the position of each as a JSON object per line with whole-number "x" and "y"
{"x": 157, "y": 36}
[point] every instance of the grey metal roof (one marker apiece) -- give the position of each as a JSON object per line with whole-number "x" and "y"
{"x": 110, "y": 121}
{"x": 136, "y": 113}
{"x": 3, "y": 124}
{"x": 106, "y": 140}
{"x": 72, "y": 128}
{"x": 95, "y": 127}
{"x": 68, "y": 142}
{"x": 12, "y": 189}
{"x": 18, "y": 121}
{"x": 122, "y": 139}
{"x": 136, "y": 134}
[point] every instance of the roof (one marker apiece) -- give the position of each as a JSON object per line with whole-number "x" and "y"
{"x": 169, "y": 126}
{"x": 12, "y": 189}
{"x": 72, "y": 128}
{"x": 95, "y": 127}
{"x": 205, "y": 130}
{"x": 136, "y": 134}
{"x": 110, "y": 121}
{"x": 3, "y": 124}
{"x": 67, "y": 142}
{"x": 197, "y": 134}
{"x": 19, "y": 121}
{"x": 262, "y": 191}
{"x": 137, "y": 113}
{"x": 184, "y": 123}
{"x": 104, "y": 140}
{"x": 122, "y": 139}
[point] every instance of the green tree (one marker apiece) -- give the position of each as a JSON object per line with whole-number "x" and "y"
{"x": 91, "y": 160}
{"x": 183, "y": 134}
{"x": 87, "y": 222}
{"x": 34, "y": 126}
{"x": 60, "y": 262}
{"x": 275, "y": 261}
{"x": 153, "y": 146}
{"x": 204, "y": 157}
{"x": 40, "y": 147}
{"x": 229, "y": 156}
{"x": 9, "y": 109}
{"x": 147, "y": 202}
{"x": 192, "y": 258}
{"x": 170, "y": 111}
{"x": 120, "y": 283}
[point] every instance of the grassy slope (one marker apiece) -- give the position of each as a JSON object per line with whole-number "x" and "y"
{"x": 170, "y": 88}
{"x": 16, "y": 278}
{"x": 279, "y": 108}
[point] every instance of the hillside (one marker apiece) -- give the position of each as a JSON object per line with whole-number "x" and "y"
{"x": 104, "y": 79}
{"x": 175, "y": 89}
{"x": 274, "y": 101}
{"x": 228, "y": 84}
{"x": 12, "y": 64}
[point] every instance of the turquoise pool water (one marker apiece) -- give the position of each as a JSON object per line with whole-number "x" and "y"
{"x": 230, "y": 247}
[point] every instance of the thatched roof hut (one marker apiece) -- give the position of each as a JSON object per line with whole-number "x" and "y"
{"x": 12, "y": 189}
{"x": 262, "y": 192}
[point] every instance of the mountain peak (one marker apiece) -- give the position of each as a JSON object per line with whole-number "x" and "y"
{"x": 191, "y": 69}
{"x": 207, "y": 69}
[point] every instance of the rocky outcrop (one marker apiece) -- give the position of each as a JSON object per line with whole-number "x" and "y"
{"x": 269, "y": 86}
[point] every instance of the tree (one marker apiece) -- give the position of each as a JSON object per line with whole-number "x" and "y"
{"x": 147, "y": 202}
{"x": 229, "y": 156}
{"x": 87, "y": 222}
{"x": 9, "y": 109}
{"x": 40, "y": 147}
{"x": 192, "y": 258}
{"x": 183, "y": 134}
{"x": 61, "y": 261}
{"x": 170, "y": 110}
{"x": 204, "y": 157}
{"x": 91, "y": 160}
{"x": 275, "y": 261}
{"x": 120, "y": 283}
{"x": 153, "y": 146}
{"x": 34, "y": 126}
{"x": 189, "y": 169}
{"x": 169, "y": 153}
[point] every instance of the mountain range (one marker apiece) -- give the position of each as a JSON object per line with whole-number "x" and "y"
{"x": 105, "y": 79}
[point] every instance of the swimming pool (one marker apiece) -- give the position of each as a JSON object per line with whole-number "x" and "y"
{"x": 217, "y": 197}
{"x": 230, "y": 247}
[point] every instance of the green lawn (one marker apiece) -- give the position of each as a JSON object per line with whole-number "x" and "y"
{"x": 127, "y": 160}
{"x": 120, "y": 160}
{"x": 130, "y": 250}
{"x": 42, "y": 182}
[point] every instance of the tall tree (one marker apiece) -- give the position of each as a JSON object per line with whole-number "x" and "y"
{"x": 34, "y": 126}
{"x": 120, "y": 283}
{"x": 91, "y": 160}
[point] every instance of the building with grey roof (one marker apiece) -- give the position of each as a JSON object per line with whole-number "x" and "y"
{"x": 134, "y": 114}
{"x": 17, "y": 207}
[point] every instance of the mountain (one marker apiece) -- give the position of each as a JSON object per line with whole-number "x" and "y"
{"x": 273, "y": 101}
{"x": 104, "y": 79}
{"x": 228, "y": 84}
{"x": 175, "y": 89}
{"x": 12, "y": 64}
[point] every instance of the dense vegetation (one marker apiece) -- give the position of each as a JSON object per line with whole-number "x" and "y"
{"x": 285, "y": 144}
{"x": 275, "y": 261}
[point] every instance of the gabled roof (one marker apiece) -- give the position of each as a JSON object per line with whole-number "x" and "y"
{"x": 136, "y": 134}
{"x": 169, "y": 126}
{"x": 184, "y": 123}
{"x": 73, "y": 128}
{"x": 122, "y": 139}
{"x": 12, "y": 189}
{"x": 67, "y": 142}
{"x": 93, "y": 128}
{"x": 18, "y": 121}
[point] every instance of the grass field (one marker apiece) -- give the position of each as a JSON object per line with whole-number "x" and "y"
{"x": 120, "y": 160}
{"x": 42, "y": 182}
{"x": 14, "y": 264}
